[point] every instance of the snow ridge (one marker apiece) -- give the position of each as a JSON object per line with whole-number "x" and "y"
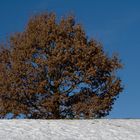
{"x": 97, "y": 129}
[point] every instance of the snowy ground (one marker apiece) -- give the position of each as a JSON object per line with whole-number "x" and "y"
{"x": 103, "y": 129}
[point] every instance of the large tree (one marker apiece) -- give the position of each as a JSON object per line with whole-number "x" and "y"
{"x": 52, "y": 71}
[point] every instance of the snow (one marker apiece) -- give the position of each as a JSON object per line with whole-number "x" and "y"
{"x": 97, "y": 129}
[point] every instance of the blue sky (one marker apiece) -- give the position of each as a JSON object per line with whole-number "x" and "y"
{"x": 116, "y": 24}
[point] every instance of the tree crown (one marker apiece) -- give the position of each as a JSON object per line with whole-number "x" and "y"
{"x": 51, "y": 70}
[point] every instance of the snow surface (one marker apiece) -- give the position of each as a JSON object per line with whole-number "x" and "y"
{"x": 97, "y": 129}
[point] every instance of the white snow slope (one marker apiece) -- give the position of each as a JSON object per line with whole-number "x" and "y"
{"x": 97, "y": 129}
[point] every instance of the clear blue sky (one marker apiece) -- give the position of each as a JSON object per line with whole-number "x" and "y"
{"x": 116, "y": 24}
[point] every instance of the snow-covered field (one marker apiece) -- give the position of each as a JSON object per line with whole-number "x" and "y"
{"x": 103, "y": 129}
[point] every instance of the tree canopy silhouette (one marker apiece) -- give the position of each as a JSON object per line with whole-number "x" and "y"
{"x": 52, "y": 71}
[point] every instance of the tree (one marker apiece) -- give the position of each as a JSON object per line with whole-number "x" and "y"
{"x": 52, "y": 71}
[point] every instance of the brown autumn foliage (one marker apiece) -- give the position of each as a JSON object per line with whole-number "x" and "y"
{"x": 52, "y": 71}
